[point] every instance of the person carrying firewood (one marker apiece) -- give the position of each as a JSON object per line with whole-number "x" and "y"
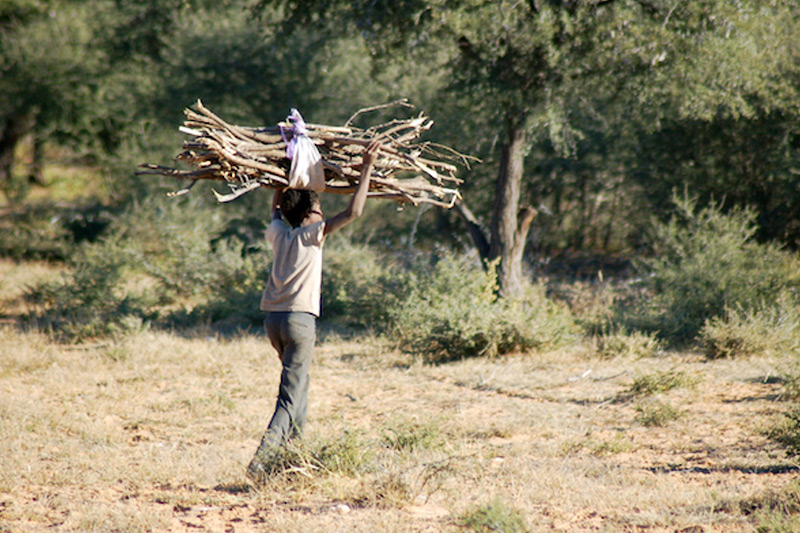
{"x": 292, "y": 298}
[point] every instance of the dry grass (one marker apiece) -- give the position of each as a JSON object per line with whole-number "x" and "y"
{"x": 152, "y": 432}
{"x": 16, "y": 278}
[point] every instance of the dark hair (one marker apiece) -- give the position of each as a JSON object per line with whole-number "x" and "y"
{"x": 296, "y": 205}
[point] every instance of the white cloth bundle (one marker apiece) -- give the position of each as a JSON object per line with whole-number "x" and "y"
{"x": 306, "y": 171}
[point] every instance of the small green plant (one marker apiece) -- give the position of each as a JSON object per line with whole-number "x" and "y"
{"x": 411, "y": 436}
{"x": 495, "y": 516}
{"x": 389, "y": 491}
{"x": 659, "y": 382}
{"x": 615, "y": 445}
{"x": 346, "y": 453}
{"x": 599, "y": 446}
{"x": 656, "y": 414}
{"x": 117, "y": 353}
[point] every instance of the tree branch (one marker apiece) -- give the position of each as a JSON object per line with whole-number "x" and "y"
{"x": 474, "y": 227}
{"x": 526, "y": 217}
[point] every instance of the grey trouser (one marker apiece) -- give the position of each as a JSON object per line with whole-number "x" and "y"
{"x": 293, "y": 334}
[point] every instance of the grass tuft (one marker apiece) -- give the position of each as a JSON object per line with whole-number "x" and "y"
{"x": 635, "y": 345}
{"x": 411, "y": 436}
{"x": 656, "y": 413}
{"x": 495, "y": 516}
{"x": 775, "y": 511}
{"x": 659, "y": 382}
{"x": 787, "y": 431}
{"x": 345, "y": 454}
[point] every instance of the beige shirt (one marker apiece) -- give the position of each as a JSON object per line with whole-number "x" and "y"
{"x": 296, "y": 279}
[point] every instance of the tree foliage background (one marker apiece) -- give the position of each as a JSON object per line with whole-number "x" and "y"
{"x": 586, "y": 114}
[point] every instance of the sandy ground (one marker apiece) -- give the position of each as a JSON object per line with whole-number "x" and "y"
{"x": 153, "y": 433}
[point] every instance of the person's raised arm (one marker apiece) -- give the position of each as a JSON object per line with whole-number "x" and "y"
{"x": 359, "y": 199}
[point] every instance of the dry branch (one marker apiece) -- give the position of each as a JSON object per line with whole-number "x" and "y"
{"x": 249, "y": 158}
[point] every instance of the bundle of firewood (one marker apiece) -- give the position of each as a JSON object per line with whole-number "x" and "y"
{"x": 248, "y": 158}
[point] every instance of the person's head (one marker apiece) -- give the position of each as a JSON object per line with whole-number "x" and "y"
{"x": 298, "y": 204}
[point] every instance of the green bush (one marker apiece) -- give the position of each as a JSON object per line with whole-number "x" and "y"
{"x": 635, "y": 345}
{"x": 157, "y": 257}
{"x": 706, "y": 262}
{"x": 359, "y": 286}
{"x": 406, "y": 436}
{"x": 452, "y": 311}
{"x": 233, "y": 294}
{"x": 90, "y": 301}
{"x": 209, "y": 265}
{"x": 170, "y": 240}
{"x": 656, "y": 413}
{"x": 48, "y": 231}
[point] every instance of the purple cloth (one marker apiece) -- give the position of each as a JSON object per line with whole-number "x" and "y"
{"x": 298, "y": 129}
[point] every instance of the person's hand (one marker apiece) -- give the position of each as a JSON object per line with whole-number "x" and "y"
{"x": 371, "y": 153}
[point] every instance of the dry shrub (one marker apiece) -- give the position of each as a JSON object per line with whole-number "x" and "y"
{"x": 659, "y": 382}
{"x": 772, "y": 330}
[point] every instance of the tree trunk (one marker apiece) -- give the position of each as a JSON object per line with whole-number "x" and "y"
{"x": 510, "y": 225}
{"x": 36, "y": 174}
{"x": 476, "y": 232}
{"x": 11, "y": 132}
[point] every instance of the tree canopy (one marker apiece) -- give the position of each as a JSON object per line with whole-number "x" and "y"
{"x": 584, "y": 86}
{"x": 585, "y": 114}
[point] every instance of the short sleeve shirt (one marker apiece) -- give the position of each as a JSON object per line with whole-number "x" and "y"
{"x": 296, "y": 278}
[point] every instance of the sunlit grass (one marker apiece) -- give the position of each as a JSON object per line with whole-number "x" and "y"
{"x": 152, "y": 430}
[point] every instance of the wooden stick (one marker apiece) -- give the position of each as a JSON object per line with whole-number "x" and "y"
{"x": 249, "y": 158}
